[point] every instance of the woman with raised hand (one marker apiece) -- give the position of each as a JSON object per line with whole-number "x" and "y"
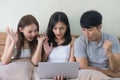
{"x": 22, "y": 50}
{"x": 59, "y": 45}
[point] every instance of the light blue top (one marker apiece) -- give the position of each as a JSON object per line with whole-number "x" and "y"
{"x": 94, "y": 52}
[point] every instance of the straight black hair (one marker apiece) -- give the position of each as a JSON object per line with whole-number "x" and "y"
{"x": 55, "y": 18}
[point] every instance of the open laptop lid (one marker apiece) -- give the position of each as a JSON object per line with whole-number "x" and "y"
{"x": 48, "y": 70}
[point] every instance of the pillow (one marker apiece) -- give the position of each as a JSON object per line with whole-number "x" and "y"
{"x": 87, "y": 74}
{"x": 16, "y": 70}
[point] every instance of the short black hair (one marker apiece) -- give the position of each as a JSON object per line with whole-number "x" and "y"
{"x": 90, "y": 19}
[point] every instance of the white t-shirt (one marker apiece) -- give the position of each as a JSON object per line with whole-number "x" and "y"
{"x": 24, "y": 53}
{"x": 60, "y": 54}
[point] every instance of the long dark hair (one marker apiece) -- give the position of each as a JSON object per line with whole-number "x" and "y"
{"x": 58, "y": 17}
{"x": 25, "y": 21}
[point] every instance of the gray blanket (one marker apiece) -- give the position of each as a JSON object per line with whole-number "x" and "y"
{"x": 16, "y": 70}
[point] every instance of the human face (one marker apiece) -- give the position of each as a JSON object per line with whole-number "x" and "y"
{"x": 29, "y": 31}
{"x": 92, "y": 34}
{"x": 59, "y": 30}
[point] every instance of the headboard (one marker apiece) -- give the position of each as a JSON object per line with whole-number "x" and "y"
{"x": 3, "y": 36}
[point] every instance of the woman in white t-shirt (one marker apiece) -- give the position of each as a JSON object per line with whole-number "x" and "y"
{"x": 59, "y": 45}
{"x": 59, "y": 39}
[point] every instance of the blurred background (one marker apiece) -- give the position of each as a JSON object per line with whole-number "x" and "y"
{"x": 12, "y": 10}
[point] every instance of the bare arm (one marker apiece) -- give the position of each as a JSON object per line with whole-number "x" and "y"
{"x": 37, "y": 55}
{"x": 114, "y": 62}
{"x": 8, "y": 52}
{"x": 114, "y": 59}
{"x": 72, "y": 58}
{"x": 9, "y": 46}
{"x": 84, "y": 65}
{"x": 117, "y": 57}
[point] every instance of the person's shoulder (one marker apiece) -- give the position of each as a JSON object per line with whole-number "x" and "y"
{"x": 108, "y": 35}
{"x": 81, "y": 38}
{"x": 76, "y": 37}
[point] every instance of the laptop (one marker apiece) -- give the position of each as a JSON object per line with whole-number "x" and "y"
{"x": 48, "y": 70}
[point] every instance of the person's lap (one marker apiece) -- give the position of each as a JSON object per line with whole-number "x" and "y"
{"x": 84, "y": 74}
{"x": 87, "y": 74}
{"x": 115, "y": 79}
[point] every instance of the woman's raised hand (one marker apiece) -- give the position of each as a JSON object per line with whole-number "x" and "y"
{"x": 47, "y": 48}
{"x": 13, "y": 37}
{"x": 41, "y": 37}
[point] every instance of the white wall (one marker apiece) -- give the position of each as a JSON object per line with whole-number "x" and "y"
{"x": 12, "y": 10}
